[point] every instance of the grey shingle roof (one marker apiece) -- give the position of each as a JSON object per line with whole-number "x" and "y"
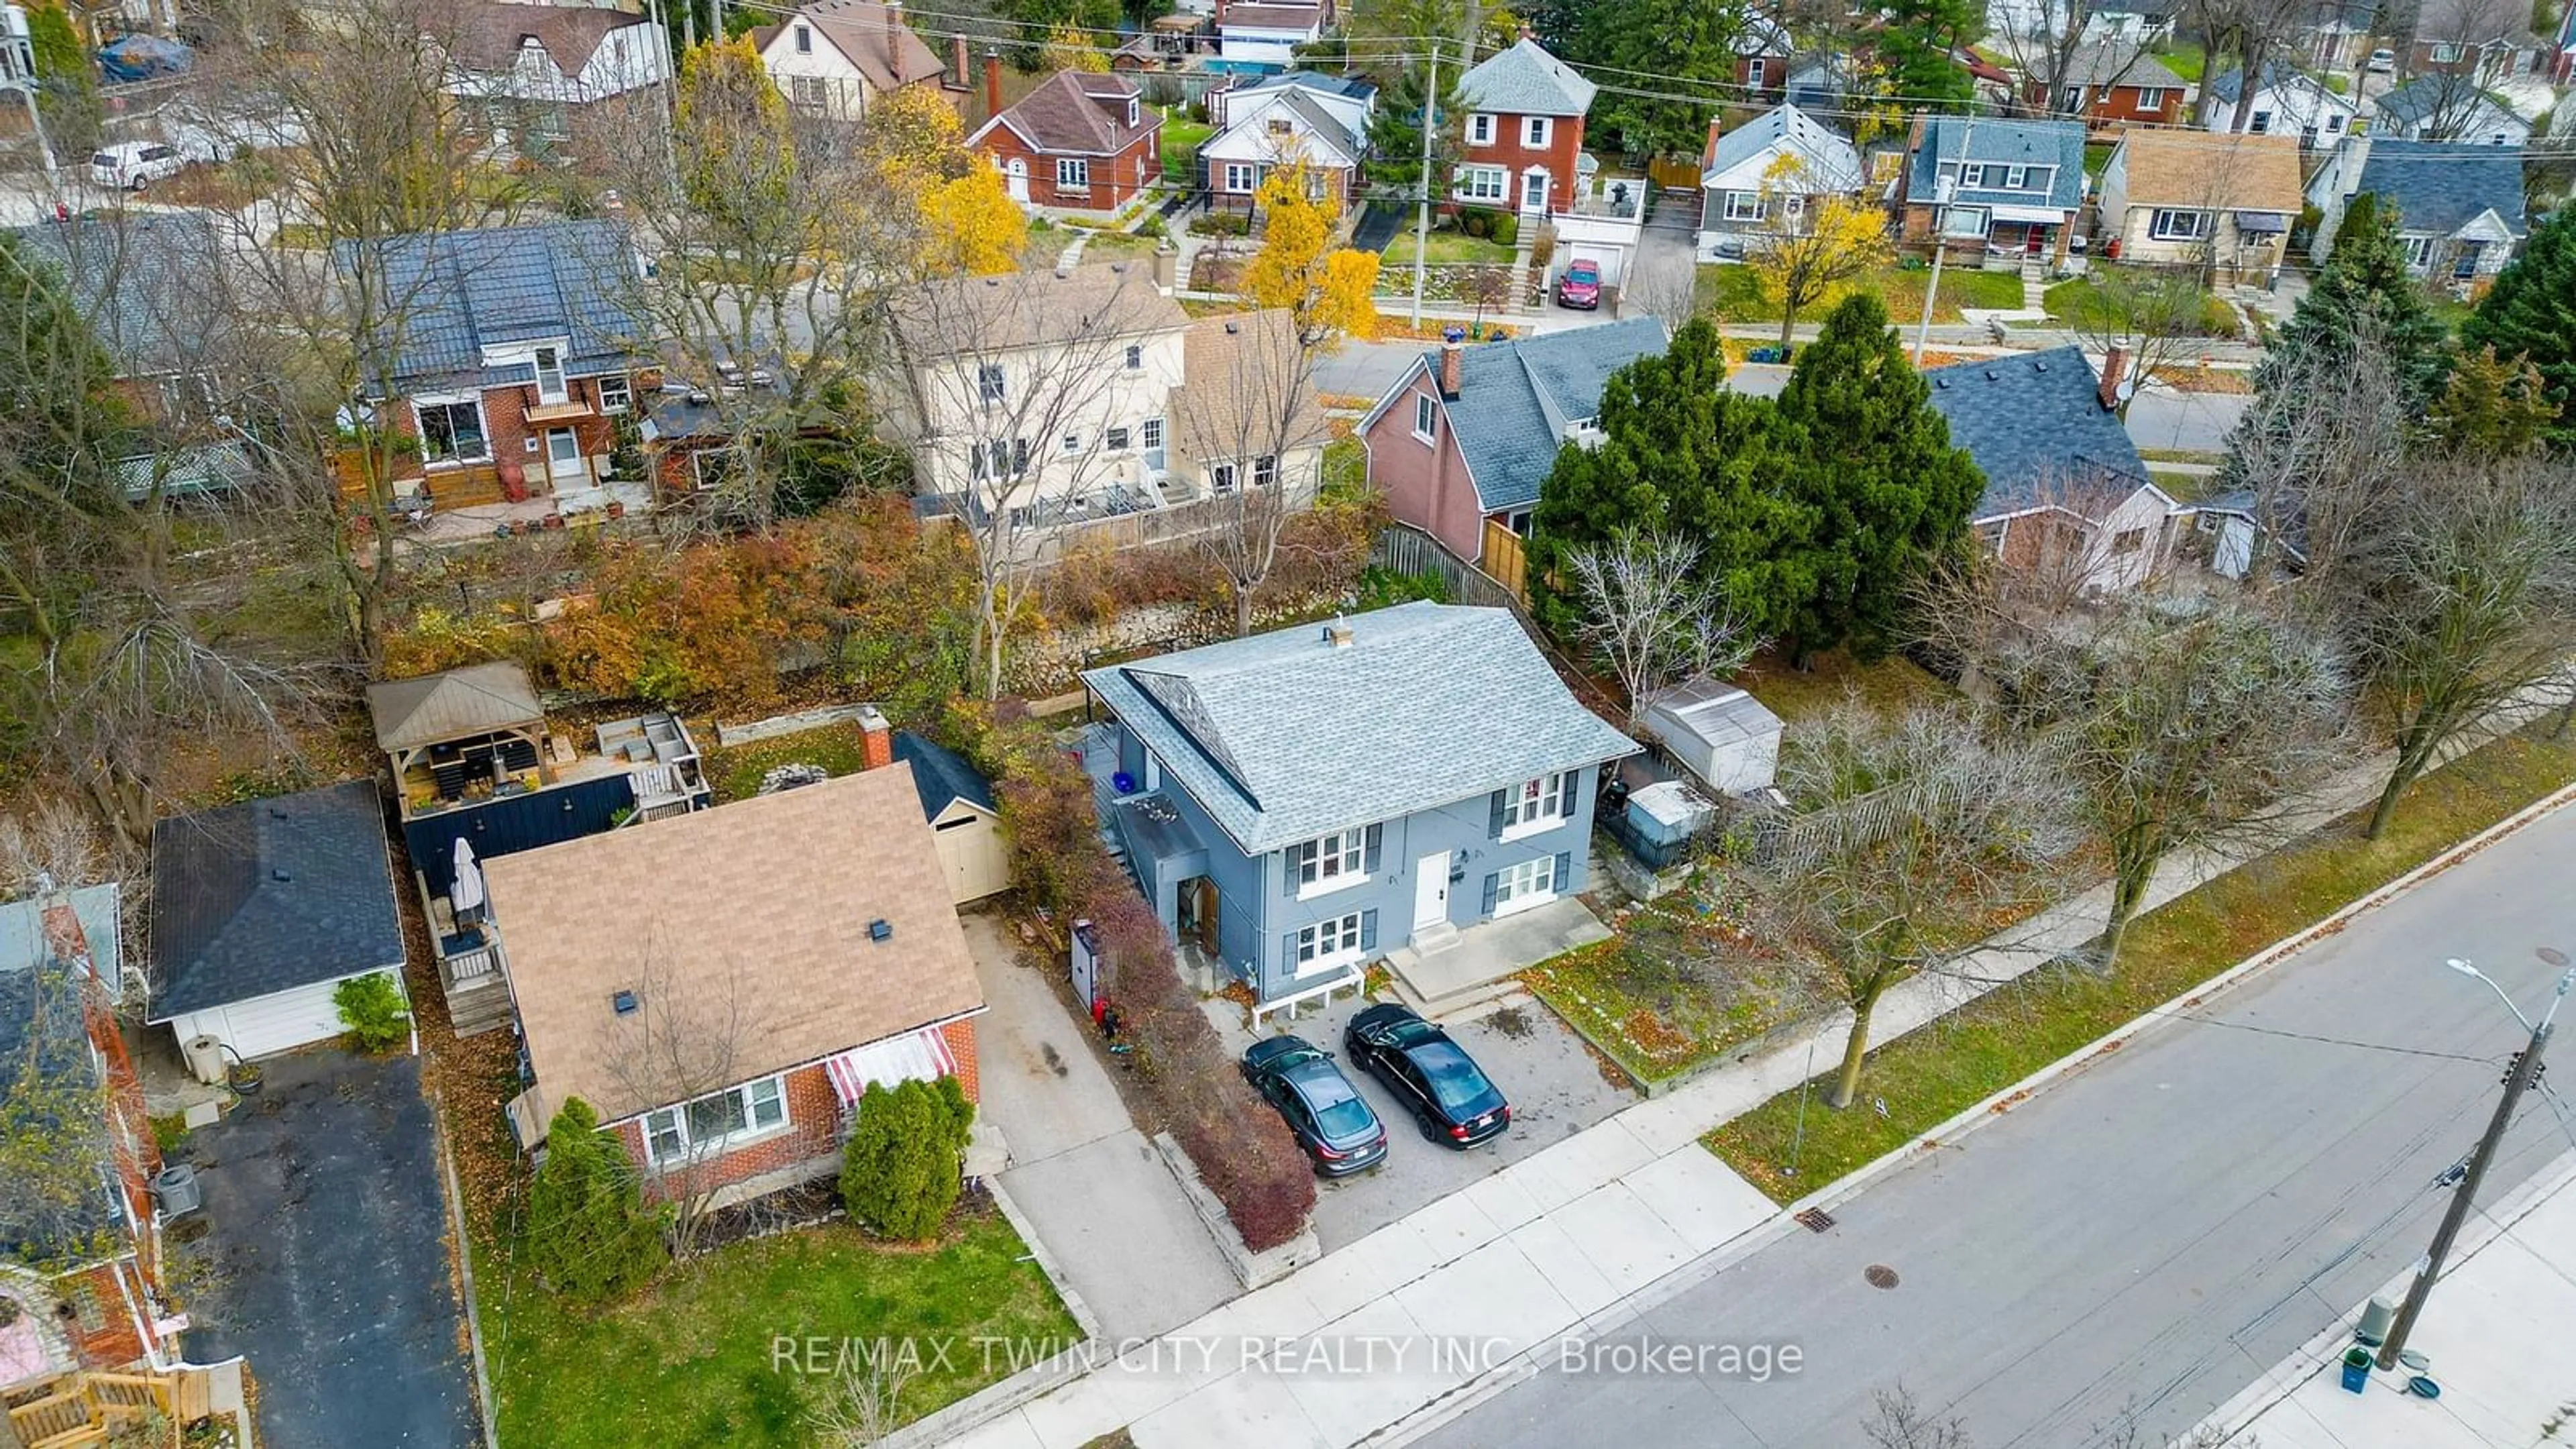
{"x": 270, "y": 895}
{"x": 1283, "y": 736}
{"x": 2043, "y": 143}
{"x": 941, "y": 775}
{"x": 476, "y": 699}
{"x": 2439, "y": 187}
{"x": 2031, "y": 421}
{"x": 2270, "y": 77}
{"x": 148, "y": 281}
{"x": 1515, "y": 398}
{"x": 468, "y": 290}
{"x": 1832, "y": 162}
{"x": 2118, "y": 63}
{"x": 1525, "y": 81}
{"x": 22, "y": 932}
{"x": 1309, "y": 80}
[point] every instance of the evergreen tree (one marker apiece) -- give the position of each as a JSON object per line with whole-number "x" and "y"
{"x": 2364, "y": 277}
{"x": 1395, "y": 135}
{"x": 2531, "y": 312}
{"x": 589, "y": 1232}
{"x": 1915, "y": 52}
{"x": 1680, "y": 454}
{"x": 1886, "y": 490}
{"x": 901, "y": 1172}
{"x": 2492, "y": 407}
{"x": 1689, "y": 39}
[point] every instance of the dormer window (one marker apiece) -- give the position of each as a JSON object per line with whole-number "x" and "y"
{"x": 804, "y": 40}
{"x": 1131, "y": 110}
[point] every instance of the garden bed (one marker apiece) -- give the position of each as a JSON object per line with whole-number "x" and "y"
{"x": 1931, "y": 1075}
{"x": 735, "y": 771}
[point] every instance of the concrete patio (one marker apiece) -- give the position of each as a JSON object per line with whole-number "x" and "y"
{"x": 1476, "y": 966}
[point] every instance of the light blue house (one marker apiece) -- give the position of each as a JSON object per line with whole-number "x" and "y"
{"x": 1299, "y": 803}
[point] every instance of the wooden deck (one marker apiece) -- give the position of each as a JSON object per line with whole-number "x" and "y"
{"x": 78, "y": 1410}
{"x": 478, "y": 999}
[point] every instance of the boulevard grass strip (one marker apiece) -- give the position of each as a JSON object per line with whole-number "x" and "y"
{"x": 1948, "y": 1066}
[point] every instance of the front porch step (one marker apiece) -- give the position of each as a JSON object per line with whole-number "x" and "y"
{"x": 1435, "y": 938}
{"x": 479, "y": 1009}
{"x": 1475, "y": 1001}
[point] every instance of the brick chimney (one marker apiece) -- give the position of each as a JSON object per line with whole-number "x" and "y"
{"x": 2115, "y": 368}
{"x": 959, "y": 66}
{"x": 894, "y": 38}
{"x": 992, "y": 84}
{"x": 876, "y": 739}
{"x": 1167, "y": 268}
{"x": 1453, "y": 362}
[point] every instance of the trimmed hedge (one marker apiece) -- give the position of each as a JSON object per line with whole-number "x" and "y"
{"x": 1243, "y": 1152}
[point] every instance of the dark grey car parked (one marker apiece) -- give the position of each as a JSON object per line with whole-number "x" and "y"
{"x": 1332, "y": 1122}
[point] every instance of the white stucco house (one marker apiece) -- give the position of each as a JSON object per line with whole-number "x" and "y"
{"x": 541, "y": 77}
{"x": 2286, "y": 103}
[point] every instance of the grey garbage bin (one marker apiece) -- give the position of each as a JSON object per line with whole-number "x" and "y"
{"x": 175, "y": 1189}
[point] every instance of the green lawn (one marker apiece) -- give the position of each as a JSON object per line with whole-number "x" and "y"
{"x": 2097, "y": 154}
{"x": 1736, "y": 294}
{"x": 1935, "y": 1073}
{"x": 735, "y": 773}
{"x": 695, "y": 1360}
{"x": 1182, "y": 138}
{"x": 2077, "y": 302}
{"x": 1448, "y": 246}
{"x": 2184, "y": 60}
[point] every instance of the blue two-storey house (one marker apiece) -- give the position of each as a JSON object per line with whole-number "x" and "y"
{"x": 1299, "y": 803}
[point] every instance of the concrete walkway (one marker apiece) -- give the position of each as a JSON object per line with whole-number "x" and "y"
{"x": 2493, "y": 1336}
{"x": 1554, "y": 1246}
{"x": 1102, "y": 1201}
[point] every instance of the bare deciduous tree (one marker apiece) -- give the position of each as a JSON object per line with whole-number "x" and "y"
{"x": 682, "y": 1048}
{"x": 2179, "y": 716}
{"x": 1904, "y": 839}
{"x": 2323, "y": 451}
{"x": 1896, "y": 1421}
{"x": 1248, "y": 423}
{"x": 2152, "y": 314}
{"x": 863, "y": 1402}
{"x": 1647, "y": 613}
{"x": 2458, "y": 597}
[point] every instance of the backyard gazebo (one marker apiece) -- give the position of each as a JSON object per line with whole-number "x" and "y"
{"x": 454, "y": 736}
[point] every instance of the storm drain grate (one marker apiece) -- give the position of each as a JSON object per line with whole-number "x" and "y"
{"x": 1816, "y": 1220}
{"x": 1879, "y": 1275}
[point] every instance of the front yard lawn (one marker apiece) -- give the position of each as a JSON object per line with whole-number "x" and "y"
{"x": 1933, "y": 1074}
{"x": 735, "y": 772}
{"x": 1447, "y": 246}
{"x": 695, "y": 1360}
{"x": 1735, "y": 293}
{"x": 2077, "y": 303}
{"x": 1683, "y": 981}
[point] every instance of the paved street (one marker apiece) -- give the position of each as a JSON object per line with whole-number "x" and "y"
{"x": 2149, "y": 1235}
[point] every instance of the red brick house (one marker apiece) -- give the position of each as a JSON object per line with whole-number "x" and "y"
{"x": 1081, "y": 142}
{"x": 92, "y": 1298}
{"x": 1763, "y": 52}
{"x": 518, "y": 360}
{"x": 1522, "y": 147}
{"x": 722, "y": 986}
{"x": 2110, "y": 87}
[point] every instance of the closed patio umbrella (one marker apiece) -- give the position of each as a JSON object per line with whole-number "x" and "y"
{"x": 465, "y": 895}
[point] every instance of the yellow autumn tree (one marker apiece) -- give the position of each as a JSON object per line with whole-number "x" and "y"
{"x": 913, "y": 148}
{"x": 1070, "y": 47}
{"x": 1808, "y": 243}
{"x": 732, "y": 143}
{"x": 1329, "y": 291}
{"x": 972, "y": 226}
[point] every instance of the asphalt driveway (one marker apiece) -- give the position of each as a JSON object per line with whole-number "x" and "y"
{"x": 327, "y": 1232}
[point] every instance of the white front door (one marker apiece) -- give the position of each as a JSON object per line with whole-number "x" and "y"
{"x": 1534, "y": 191}
{"x": 1431, "y": 890}
{"x": 1016, "y": 176}
{"x": 563, "y": 458}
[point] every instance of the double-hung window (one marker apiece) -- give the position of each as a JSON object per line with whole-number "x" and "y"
{"x": 1534, "y": 805}
{"x": 1221, "y": 478}
{"x": 1534, "y": 132}
{"x": 988, "y": 382}
{"x": 1426, "y": 418}
{"x": 451, "y": 431}
{"x": 1480, "y": 130}
{"x": 1072, "y": 174}
{"x": 616, "y": 393}
{"x": 1265, "y": 471}
{"x": 1525, "y": 885}
{"x": 2151, "y": 98}
{"x": 1135, "y": 357}
{"x": 550, "y": 375}
{"x": 1328, "y": 945}
{"x": 1330, "y": 862}
{"x": 709, "y": 1125}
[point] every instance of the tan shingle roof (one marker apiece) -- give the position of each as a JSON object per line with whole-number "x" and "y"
{"x": 754, "y": 915}
{"x": 1029, "y": 309}
{"x": 2209, "y": 170}
{"x": 1237, "y": 402}
{"x": 858, "y": 30}
{"x": 476, "y": 699}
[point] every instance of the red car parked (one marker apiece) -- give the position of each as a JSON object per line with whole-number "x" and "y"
{"x": 1580, "y": 286}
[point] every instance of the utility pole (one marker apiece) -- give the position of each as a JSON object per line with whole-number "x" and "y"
{"x": 1943, "y": 188}
{"x": 2526, "y": 1067}
{"x": 1422, "y": 217}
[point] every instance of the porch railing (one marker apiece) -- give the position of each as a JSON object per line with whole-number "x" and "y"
{"x": 476, "y": 966}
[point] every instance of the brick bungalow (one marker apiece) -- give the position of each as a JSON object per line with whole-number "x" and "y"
{"x": 1081, "y": 142}
{"x": 722, "y": 986}
{"x": 102, "y": 1307}
{"x": 2110, "y": 86}
{"x": 518, "y": 360}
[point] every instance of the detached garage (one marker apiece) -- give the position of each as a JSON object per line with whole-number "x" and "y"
{"x": 260, "y": 909}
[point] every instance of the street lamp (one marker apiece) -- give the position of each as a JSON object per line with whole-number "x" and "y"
{"x": 2526, "y": 1067}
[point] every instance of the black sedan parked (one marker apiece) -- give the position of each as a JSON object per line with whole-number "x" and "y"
{"x": 1332, "y": 1122}
{"x": 1449, "y": 1095}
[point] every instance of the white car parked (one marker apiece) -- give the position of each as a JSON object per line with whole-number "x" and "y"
{"x": 132, "y": 165}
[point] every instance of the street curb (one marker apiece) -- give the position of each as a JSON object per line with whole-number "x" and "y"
{"x": 2000, "y": 1103}
{"x": 2309, "y": 1359}
{"x": 1459, "y": 1401}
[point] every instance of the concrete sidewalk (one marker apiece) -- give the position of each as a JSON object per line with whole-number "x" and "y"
{"x": 2493, "y": 1337}
{"x": 1550, "y": 1248}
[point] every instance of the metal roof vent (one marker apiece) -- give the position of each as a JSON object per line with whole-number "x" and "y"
{"x": 281, "y": 873}
{"x": 624, "y": 1003}
{"x": 880, "y": 929}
